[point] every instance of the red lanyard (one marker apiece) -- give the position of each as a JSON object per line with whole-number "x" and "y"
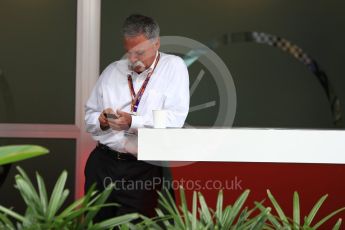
{"x": 137, "y": 97}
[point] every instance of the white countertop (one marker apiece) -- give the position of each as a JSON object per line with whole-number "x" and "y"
{"x": 242, "y": 145}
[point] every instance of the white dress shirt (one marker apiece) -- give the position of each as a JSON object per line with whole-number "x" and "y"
{"x": 168, "y": 89}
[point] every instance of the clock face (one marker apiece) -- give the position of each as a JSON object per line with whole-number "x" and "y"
{"x": 204, "y": 97}
{"x": 212, "y": 89}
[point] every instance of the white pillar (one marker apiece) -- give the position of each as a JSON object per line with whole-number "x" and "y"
{"x": 87, "y": 72}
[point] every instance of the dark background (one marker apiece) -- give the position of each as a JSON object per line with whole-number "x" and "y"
{"x": 37, "y": 60}
{"x": 273, "y": 89}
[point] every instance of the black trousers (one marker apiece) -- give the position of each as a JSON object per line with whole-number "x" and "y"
{"x": 136, "y": 183}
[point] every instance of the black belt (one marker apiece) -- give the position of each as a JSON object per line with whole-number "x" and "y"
{"x": 117, "y": 155}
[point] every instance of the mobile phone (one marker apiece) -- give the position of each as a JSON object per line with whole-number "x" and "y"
{"x": 110, "y": 115}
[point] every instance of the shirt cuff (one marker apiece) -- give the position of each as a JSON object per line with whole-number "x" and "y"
{"x": 137, "y": 122}
{"x": 98, "y": 131}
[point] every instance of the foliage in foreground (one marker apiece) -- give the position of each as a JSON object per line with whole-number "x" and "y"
{"x": 14, "y": 153}
{"x": 235, "y": 216}
{"x": 45, "y": 212}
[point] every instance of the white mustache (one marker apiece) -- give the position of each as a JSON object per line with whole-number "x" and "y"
{"x": 139, "y": 63}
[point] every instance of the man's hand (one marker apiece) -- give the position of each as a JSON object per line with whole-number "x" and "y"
{"x": 123, "y": 122}
{"x": 103, "y": 121}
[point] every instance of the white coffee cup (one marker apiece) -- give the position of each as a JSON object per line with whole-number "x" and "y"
{"x": 159, "y": 118}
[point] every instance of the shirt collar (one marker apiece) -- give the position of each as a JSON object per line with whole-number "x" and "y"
{"x": 154, "y": 62}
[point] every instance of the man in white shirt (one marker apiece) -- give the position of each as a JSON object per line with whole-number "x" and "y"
{"x": 130, "y": 89}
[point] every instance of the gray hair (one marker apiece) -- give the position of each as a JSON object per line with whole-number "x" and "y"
{"x": 137, "y": 24}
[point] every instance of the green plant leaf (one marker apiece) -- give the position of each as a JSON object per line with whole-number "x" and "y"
{"x": 163, "y": 217}
{"x": 63, "y": 198}
{"x": 205, "y": 212}
{"x": 337, "y": 225}
{"x": 245, "y": 220}
{"x": 321, "y": 222}
{"x": 29, "y": 195}
{"x": 57, "y": 194}
{"x": 28, "y": 191}
{"x": 296, "y": 211}
{"x": 110, "y": 223}
{"x": 169, "y": 205}
{"x": 149, "y": 223}
{"x": 42, "y": 193}
{"x": 270, "y": 217}
{"x": 260, "y": 220}
{"x": 169, "y": 201}
{"x": 314, "y": 210}
{"x": 102, "y": 198}
{"x": 241, "y": 218}
{"x": 14, "y": 153}
{"x": 77, "y": 214}
{"x": 12, "y": 213}
{"x": 72, "y": 211}
{"x": 219, "y": 207}
{"x": 225, "y": 217}
{"x": 5, "y": 222}
{"x": 279, "y": 210}
{"x": 236, "y": 208}
{"x": 194, "y": 210}
{"x": 81, "y": 203}
{"x": 184, "y": 208}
